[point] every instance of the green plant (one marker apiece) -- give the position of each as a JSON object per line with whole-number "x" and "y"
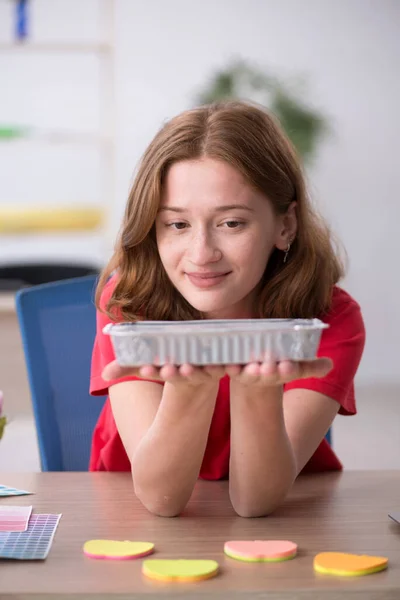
{"x": 239, "y": 80}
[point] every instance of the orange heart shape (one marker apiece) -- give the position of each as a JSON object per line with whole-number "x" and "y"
{"x": 338, "y": 563}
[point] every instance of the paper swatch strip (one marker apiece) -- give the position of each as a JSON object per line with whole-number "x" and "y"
{"x": 33, "y": 544}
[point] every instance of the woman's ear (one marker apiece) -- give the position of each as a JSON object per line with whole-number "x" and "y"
{"x": 287, "y": 227}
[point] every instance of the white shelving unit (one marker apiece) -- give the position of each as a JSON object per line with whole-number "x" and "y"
{"x": 104, "y": 139}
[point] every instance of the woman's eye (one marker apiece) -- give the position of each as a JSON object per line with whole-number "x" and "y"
{"x": 233, "y": 224}
{"x": 178, "y": 225}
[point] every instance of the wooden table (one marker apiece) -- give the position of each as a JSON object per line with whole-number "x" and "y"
{"x": 330, "y": 512}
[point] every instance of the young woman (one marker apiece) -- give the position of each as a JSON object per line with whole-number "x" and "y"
{"x": 218, "y": 225}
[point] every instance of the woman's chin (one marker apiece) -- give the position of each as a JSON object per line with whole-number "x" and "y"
{"x": 206, "y": 306}
{"x": 213, "y": 308}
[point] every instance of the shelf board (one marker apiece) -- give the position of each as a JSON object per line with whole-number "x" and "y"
{"x": 29, "y": 219}
{"x": 72, "y": 47}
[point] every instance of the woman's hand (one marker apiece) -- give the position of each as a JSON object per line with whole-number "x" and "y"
{"x": 272, "y": 373}
{"x": 184, "y": 374}
{"x": 263, "y": 374}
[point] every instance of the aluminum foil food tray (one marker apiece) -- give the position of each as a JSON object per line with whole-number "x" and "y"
{"x": 215, "y": 342}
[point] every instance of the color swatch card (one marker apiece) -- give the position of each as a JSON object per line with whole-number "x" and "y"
{"x": 14, "y": 518}
{"x": 10, "y": 491}
{"x": 33, "y": 544}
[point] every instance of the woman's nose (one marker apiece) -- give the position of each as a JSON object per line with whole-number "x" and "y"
{"x": 202, "y": 250}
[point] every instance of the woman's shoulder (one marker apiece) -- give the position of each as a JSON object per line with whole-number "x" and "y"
{"x": 102, "y": 312}
{"x": 344, "y": 316}
{"x": 108, "y": 290}
{"x": 342, "y": 301}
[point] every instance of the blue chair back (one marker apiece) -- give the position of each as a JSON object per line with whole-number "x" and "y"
{"x": 58, "y": 325}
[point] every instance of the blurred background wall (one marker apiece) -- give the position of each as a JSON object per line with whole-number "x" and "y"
{"x": 128, "y": 65}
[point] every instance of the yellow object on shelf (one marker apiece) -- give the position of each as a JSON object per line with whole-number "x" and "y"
{"x": 22, "y": 219}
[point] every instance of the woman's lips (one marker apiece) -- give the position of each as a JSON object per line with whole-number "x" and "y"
{"x": 206, "y": 280}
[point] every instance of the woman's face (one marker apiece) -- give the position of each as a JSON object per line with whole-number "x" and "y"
{"x": 215, "y": 235}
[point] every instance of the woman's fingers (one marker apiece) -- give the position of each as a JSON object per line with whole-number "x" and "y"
{"x": 233, "y": 370}
{"x": 167, "y": 372}
{"x": 215, "y": 371}
{"x": 268, "y": 372}
{"x": 273, "y": 373}
{"x": 315, "y": 368}
{"x": 114, "y": 371}
{"x": 290, "y": 371}
{"x": 186, "y": 370}
{"x": 148, "y": 371}
{"x": 198, "y": 375}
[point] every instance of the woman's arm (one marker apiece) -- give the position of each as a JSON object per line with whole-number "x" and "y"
{"x": 273, "y": 435}
{"x": 164, "y": 430}
{"x": 262, "y": 463}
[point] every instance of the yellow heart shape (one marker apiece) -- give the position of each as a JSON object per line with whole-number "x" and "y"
{"x": 179, "y": 570}
{"x": 117, "y": 550}
{"x": 351, "y": 565}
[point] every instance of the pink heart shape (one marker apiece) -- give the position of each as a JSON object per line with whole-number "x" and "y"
{"x": 261, "y": 549}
